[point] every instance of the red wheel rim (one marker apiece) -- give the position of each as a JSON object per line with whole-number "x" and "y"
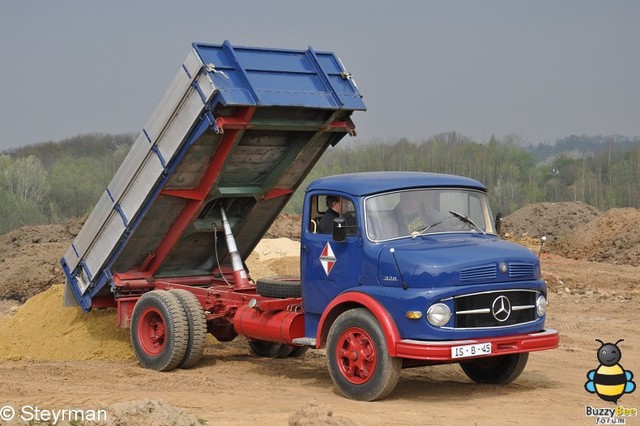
{"x": 356, "y": 355}
{"x": 152, "y": 331}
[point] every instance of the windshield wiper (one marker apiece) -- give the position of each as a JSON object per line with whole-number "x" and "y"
{"x": 426, "y": 228}
{"x": 465, "y": 219}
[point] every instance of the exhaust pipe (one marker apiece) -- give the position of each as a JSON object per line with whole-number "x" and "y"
{"x": 240, "y": 276}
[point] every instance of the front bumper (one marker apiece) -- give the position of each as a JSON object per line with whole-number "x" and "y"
{"x": 504, "y": 345}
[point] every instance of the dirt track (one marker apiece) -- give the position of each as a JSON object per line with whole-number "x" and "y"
{"x": 233, "y": 387}
{"x": 588, "y": 301}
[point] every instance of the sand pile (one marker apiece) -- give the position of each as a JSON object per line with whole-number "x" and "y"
{"x": 276, "y": 248}
{"x": 613, "y": 237}
{"x": 315, "y": 413}
{"x": 285, "y": 226}
{"x": 42, "y": 329}
{"x": 30, "y": 258}
{"x": 149, "y": 412}
{"x": 551, "y": 219}
{"x": 272, "y": 257}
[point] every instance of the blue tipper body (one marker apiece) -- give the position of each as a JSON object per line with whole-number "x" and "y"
{"x": 239, "y": 126}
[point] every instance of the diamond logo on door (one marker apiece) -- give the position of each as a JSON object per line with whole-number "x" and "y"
{"x": 327, "y": 258}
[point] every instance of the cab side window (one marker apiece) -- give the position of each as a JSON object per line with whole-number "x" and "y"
{"x": 325, "y": 208}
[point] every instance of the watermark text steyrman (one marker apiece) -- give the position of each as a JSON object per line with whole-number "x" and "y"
{"x": 32, "y": 413}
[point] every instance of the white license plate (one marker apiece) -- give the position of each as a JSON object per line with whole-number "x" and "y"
{"x": 471, "y": 350}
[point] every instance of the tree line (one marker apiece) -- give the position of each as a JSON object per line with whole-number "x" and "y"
{"x": 606, "y": 175}
{"x": 55, "y": 181}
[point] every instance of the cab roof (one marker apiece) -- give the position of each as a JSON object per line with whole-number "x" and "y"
{"x": 361, "y": 184}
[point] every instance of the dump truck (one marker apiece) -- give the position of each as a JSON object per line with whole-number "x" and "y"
{"x": 412, "y": 271}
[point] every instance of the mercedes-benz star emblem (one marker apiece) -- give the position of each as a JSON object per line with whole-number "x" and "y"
{"x": 501, "y": 308}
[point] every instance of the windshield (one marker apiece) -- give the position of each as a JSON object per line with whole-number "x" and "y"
{"x": 425, "y": 211}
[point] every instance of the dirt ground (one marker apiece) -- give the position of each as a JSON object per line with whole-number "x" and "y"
{"x": 57, "y": 358}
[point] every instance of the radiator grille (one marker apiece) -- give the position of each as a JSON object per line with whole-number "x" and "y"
{"x": 484, "y": 309}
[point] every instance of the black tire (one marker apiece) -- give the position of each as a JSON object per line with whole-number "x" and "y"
{"x": 269, "y": 349}
{"x": 279, "y": 287}
{"x": 298, "y": 351}
{"x": 197, "y": 327}
{"x": 357, "y": 357}
{"x": 498, "y": 370}
{"x": 159, "y": 330}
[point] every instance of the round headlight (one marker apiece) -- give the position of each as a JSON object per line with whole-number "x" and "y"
{"x": 541, "y": 306}
{"x": 438, "y": 314}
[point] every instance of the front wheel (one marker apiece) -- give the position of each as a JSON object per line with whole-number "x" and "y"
{"x": 498, "y": 370}
{"x": 358, "y": 359}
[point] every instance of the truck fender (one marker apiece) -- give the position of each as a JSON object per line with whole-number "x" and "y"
{"x": 350, "y": 300}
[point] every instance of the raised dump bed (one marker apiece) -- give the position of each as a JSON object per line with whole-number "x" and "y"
{"x": 238, "y": 128}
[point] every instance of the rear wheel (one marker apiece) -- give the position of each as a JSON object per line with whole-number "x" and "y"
{"x": 159, "y": 330}
{"x": 358, "y": 359}
{"x": 298, "y": 351}
{"x": 496, "y": 369}
{"x": 197, "y": 327}
{"x": 269, "y": 349}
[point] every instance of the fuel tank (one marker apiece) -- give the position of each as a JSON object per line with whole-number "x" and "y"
{"x": 280, "y": 326}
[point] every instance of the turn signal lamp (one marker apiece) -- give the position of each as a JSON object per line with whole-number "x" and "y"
{"x": 414, "y": 315}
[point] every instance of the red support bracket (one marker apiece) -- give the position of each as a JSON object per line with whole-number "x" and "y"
{"x": 188, "y": 194}
{"x": 275, "y": 193}
{"x": 103, "y": 302}
{"x": 341, "y": 126}
{"x": 267, "y": 305}
{"x": 125, "y": 310}
{"x": 237, "y": 123}
{"x": 195, "y": 201}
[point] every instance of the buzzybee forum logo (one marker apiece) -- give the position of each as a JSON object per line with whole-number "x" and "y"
{"x": 610, "y": 380}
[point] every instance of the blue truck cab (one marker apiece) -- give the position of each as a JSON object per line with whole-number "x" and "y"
{"x": 418, "y": 255}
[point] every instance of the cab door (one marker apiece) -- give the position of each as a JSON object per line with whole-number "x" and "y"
{"x": 328, "y": 267}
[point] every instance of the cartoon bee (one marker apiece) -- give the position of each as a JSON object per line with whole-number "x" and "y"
{"x": 610, "y": 381}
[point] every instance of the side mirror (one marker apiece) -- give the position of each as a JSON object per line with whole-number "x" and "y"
{"x": 339, "y": 229}
{"x": 498, "y": 224}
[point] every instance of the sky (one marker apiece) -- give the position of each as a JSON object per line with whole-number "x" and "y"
{"x": 541, "y": 70}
